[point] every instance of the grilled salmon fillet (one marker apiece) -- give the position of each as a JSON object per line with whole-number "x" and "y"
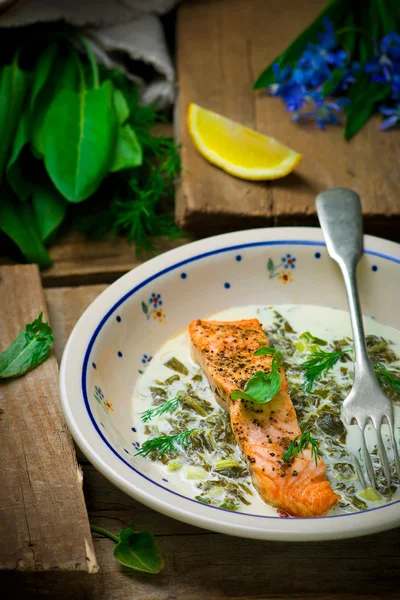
{"x": 225, "y": 352}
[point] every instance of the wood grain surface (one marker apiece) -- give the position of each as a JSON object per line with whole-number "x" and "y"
{"x": 223, "y": 46}
{"x": 78, "y": 260}
{"x": 43, "y": 518}
{"x": 202, "y": 565}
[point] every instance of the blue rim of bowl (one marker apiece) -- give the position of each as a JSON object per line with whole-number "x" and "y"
{"x": 160, "y": 274}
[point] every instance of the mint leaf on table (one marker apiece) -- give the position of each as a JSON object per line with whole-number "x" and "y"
{"x": 137, "y": 550}
{"x": 28, "y": 350}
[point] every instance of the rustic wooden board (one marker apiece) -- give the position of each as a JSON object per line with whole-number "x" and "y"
{"x": 77, "y": 260}
{"x": 222, "y": 48}
{"x": 43, "y": 519}
{"x": 202, "y": 565}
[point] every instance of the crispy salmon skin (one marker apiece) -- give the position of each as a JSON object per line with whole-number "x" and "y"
{"x": 225, "y": 352}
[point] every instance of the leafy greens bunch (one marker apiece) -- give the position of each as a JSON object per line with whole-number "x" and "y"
{"x": 347, "y": 59}
{"x": 73, "y": 136}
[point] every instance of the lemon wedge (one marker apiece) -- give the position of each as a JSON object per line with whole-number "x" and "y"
{"x": 239, "y": 150}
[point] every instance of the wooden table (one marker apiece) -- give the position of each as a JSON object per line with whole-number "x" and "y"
{"x": 200, "y": 564}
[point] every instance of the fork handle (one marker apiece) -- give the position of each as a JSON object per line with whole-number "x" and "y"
{"x": 339, "y": 213}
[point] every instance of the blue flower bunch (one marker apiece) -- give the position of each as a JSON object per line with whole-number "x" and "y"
{"x": 303, "y": 85}
{"x": 337, "y": 65}
{"x": 384, "y": 68}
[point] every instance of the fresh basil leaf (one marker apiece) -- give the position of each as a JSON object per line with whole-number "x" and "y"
{"x": 261, "y": 388}
{"x": 139, "y": 551}
{"x": 28, "y": 350}
{"x": 14, "y": 84}
{"x": 265, "y": 350}
{"x": 18, "y": 223}
{"x": 87, "y": 121}
{"x": 42, "y": 71}
{"x": 238, "y": 394}
{"x": 50, "y": 209}
{"x": 121, "y": 106}
{"x": 333, "y": 11}
{"x": 63, "y": 77}
{"x": 128, "y": 151}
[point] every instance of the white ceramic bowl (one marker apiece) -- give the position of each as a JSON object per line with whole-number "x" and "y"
{"x": 116, "y": 336}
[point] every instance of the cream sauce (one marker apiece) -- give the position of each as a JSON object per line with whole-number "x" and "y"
{"x": 323, "y": 322}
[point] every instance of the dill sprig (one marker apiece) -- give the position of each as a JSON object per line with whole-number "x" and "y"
{"x": 385, "y": 376}
{"x": 299, "y": 444}
{"x": 169, "y": 406}
{"x": 165, "y": 443}
{"x": 319, "y": 363}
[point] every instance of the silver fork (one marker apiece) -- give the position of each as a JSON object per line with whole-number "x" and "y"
{"x": 339, "y": 213}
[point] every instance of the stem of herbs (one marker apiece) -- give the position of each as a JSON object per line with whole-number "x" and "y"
{"x": 92, "y": 60}
{"x": 101, "y": 531}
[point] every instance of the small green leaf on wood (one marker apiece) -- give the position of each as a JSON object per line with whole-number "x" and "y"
{"x": 28, "y": 350}
{"x": 139, "y": 551}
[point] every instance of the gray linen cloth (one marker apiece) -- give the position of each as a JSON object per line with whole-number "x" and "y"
{"x": 121, "y": 33}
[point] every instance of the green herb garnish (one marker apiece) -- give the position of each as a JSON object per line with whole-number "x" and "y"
{"x": 261, "y": 388}
{"x": 312, "y": 339}
{"x": 176, "y": 365}
{"x": 28, "y": 350}
{"x": 137, "y": 550}
{"x": 299, "y": 444}
{"x": 385, "y": 376}
{"x": 165, "y": 443}
{"x": 319, "y": 363}
{"x": 265, "y": 350}
{"x": 169, "y": 406}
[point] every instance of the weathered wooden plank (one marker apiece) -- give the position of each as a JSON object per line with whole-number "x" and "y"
{"x": 222, "y": 48}
{"x": 77, "y": 261}
{"x": 43, "y": 518}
